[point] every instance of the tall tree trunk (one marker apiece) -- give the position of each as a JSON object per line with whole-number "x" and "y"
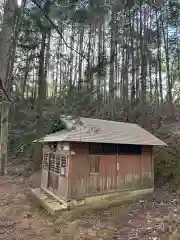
{"x": 89, "y": 75}
{"x": 41, "y": 84}
{"x": 158, "y": 114}
{"x": 81, "y": 37}
{"x": 112, "y": 59}
{"x": 40, "y": 100}
{"x": 122, "y": 73}
{"x": 41, "y": 89}
{"x": 143, "y": 67}
{"x": 61, "y": 64}
{"x": 137, "y": 67}
{"x": 26, "y": 72}
{"x": 159, "y": 56}
{"x": 71, "y": 61}
{"x": 56, "y": 75}
{"x": 131, "y": 24}
{"x": 150, "y": 63}
{"x": 16, "y": 31}
{"x": 100, "y": 60}
{"x": 5, "y": 43}
{"x": 166, "y": 46}
{"x": 112, "y": 54}
{"x": 47, "y": 59}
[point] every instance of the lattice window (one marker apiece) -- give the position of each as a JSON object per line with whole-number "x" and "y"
{"x": 63, "y": 166}
{"x": 57, "y": 163}
{"x": 45, "y": 160}
{"x": 52, "y": 162}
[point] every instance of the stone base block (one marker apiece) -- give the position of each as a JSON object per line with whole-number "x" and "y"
{"x": 53, "y": 206}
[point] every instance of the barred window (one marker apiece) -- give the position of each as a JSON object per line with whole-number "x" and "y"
{"x": 52, "y": 162}
{"x": 45, "y": 164}
{"x": 55, "y": 163}
{"x": 63, "y": 166}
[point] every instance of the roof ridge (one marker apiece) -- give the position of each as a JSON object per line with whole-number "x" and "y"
{"x": 106, "y": 120}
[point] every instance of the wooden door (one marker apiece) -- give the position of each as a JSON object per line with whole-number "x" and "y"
{"x": 94, "y": 174}
{"x": 108, "y": 177}
{"x": 128, "y": 171}
{"x": 147, "y": 167}
{"x": 53, "y": 172}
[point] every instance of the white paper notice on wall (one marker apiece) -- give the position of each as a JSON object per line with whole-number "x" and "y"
{"x": 59, "y": 146}
{"x": 63, "y": 146}
{"x": 66, "y": 147}
{"x": 117, "y": 166}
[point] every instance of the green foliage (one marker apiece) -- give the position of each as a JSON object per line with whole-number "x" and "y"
{"x": 167, "y": 163}
{"x": 58, "y": 125}
{"x": 174, "y": 13}
{"x": 29, "y": 138}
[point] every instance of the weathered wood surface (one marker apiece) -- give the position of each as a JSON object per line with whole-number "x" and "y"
{"x": 52, "y": 180}
{"x": 117, "y": 172}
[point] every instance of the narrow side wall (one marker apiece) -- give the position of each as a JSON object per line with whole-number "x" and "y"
{"x": 53, "y": 182}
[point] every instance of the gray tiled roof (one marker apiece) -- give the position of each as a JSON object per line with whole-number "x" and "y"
{"x": 103, "y": 131}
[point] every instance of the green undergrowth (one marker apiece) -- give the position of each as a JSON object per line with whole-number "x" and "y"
{"x": 22, "y": 125}
{"x": 23, "y": 129}
{"x": 57, "y": 125}
{"x": 167, "y": 164}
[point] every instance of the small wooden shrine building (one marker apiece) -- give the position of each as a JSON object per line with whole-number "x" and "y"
{"x": 96, "y": 157}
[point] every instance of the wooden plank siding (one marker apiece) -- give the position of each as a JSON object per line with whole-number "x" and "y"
{"x": 129, "y": 172}
{"x": 147, "y": 166}
{"x": 78, "y": 171}
{"x": 116, "y": 172}
{"x": 107, "y": 174}
{"x": 53, "y": 182}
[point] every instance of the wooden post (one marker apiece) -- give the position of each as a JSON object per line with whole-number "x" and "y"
{"x": 4, "y": 137}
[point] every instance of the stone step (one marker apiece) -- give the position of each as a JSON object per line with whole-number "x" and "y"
{"x": 53, "y": 206}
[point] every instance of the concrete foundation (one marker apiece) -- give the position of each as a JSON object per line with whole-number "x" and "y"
{"x": 55, "y": 207}
{"x": 49, "y": 203}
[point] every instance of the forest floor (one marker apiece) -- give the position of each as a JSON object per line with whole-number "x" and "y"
{"x": 21, "y": 219}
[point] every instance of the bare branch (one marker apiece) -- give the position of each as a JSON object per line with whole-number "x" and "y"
{"x": 5, "y": 92}
{"x": 57, "y": 30}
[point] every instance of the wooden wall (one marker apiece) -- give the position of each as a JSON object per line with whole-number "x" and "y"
{"x": 78, "y": 170}
{"x": 135, "y": 170}
{"x": 117, "y": 172}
